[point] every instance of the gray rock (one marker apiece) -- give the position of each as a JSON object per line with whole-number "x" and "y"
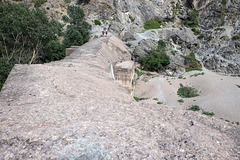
{"x": 142, "y": 50}
{"x": 128, "y": 37}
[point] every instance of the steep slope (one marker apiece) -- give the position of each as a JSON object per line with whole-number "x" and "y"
{"x": 73, "y": 109}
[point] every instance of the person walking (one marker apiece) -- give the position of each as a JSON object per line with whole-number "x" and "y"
{"x": 103, "y": 31}
{"x": 106, "y": 31}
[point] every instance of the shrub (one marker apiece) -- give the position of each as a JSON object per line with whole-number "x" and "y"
{"x": 191, "y": 63}
{"x": 158, "y": 60}
{"x": 208, "y": 113}
{"x": 201, "y": 36}
{"x": 97, "y": 22}
{"x": 194, "y": 108}
{"x": 152, "y": 24}
{"x": 140, "y": 73}
{"x": 38, "y": 3}
{"x": 5, "y": 68}
{"x": 236, "y": 37}
{"x": 156, "y": 99}
{"x": 187, "y": 92}
{"x": 180, "y": 77}
{"x": 78, "y": 32}
{"x": 193, "y": 69}
{"x": 210, "y": 37}
{"x": 139, "y": 99}
{"x": 180, "y": 100}
{"x": 224, "y": 2}
{"x": 159, "y": 102}
{"x": 196, "y": 31}
{"x": 155, "y": 62}
{"x": 131, "y": 18}
{"x": 192, "y": 19}
{"x": 67, "y": 1}
{"x": 197, "y": 74}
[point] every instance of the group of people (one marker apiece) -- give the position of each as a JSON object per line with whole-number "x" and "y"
{"x": 104, "y": 32}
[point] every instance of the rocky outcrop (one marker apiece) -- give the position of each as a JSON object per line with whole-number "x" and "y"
{"x": 126, "y": 16}
{"x": 221, "y": 22}
{"x": 126, "y": 19}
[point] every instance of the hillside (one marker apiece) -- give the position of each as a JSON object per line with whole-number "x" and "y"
{"x": 73, "y": 109}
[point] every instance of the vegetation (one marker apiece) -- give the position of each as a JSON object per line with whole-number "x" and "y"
{"x": 210, "y": 37}
{"x": 28, "y": 37}
{"x": 139, "y": 99}
{"x": 197, "y": 108}
{"x": 140, "y": 73}
{"x": 236, "y": 37}
{"x": 180, "y": 77}
{"x": 38, "y": 3}
{"x": 201, "y": 36}
{"x": 208, "y": 113}
{"x": 197, "y": 74}
{"x": 67, "y": 1}
{"x": 156, "y": 23}
{"x": 131, "y": 18}
{"x": 156, "y": 99}
{"x": 238, "y": 86}
{"x": 159, "y": 102}
{"x": 180, "y": 100}
{"x": 192, "y": 19}
{"x": 97, "y": 22}
{"x": 5, "y": 69}
{"x": 196, "y": 31}
{"x": 78, "y": 32}
{"x": 158, "y": 60}
{"x": 194, "y": 108}
{"x": 224, "y": 2}
{"x": 191, "y": 63}
{"x": 187, "y": 92}
{"x": 152, "y": 24}
{"x": 193, "y": 69}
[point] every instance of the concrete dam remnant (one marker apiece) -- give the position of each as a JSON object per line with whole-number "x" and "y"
{"x": 74, "y": 109}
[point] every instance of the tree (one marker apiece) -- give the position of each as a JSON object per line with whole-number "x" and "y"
{"x": 78, "y": 30}
{"x": 157, "y": 60}
{"x": 27, "y": 36}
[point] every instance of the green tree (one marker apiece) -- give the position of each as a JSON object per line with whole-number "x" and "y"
{"x": 78, "y": 32}
{"x": 5, "y": 69}
{"x": 158, "y": 60}
{"x": 26, "y": 36}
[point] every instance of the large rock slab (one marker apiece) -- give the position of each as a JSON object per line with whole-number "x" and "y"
{"x": 74, "y": 109}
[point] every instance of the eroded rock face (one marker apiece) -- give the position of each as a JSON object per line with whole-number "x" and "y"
{"x": 122, "y": 15}
{"x": 221, "y": 53}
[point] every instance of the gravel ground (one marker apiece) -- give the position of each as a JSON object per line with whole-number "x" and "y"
{"x": 73, "y": 109}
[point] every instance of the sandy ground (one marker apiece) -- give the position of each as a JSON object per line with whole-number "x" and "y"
{"x": 218, "y": 93}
